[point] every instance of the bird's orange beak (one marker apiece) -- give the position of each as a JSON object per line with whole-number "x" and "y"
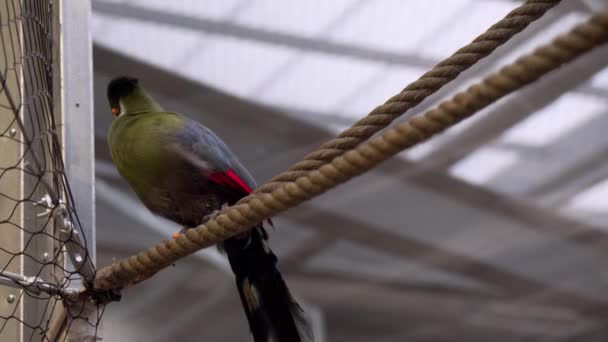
{"x": 115, "y": 111}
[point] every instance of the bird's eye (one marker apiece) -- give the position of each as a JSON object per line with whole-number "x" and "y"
{"x": 115, "y": 111}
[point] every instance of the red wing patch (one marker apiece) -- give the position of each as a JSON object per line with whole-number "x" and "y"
{"x": 230, "y": 179}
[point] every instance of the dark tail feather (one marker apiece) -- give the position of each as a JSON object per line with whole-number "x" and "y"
{"x": 272, "y": 312}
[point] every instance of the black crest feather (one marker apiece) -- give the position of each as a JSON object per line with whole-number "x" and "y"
{"x": 120, "y": 87}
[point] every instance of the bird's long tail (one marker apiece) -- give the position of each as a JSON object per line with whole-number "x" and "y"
{"x": 272, "y": 312}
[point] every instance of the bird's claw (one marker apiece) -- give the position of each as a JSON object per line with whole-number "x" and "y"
{"x": 215, "y": 213}
{"x": 177, "y": 234}
{"x": 211, "y": 216}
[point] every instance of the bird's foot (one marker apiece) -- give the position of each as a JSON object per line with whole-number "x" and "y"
{"x": 177, "y": 234}
{"x": 211, "y": 216}
{"x": 215, "y": 213}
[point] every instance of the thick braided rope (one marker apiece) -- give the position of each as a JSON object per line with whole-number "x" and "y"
{"x": 240, "y": 217}
{"x": 415, "y": 92}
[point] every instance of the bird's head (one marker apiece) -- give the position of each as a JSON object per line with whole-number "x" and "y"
{"x": 119, "y": 89}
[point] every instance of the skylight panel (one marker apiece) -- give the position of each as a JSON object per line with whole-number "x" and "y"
{"x": 592, "y": 199}
{"x": 302, "y": 18}
{"x": 600, "y": 79}
{"x": 317, "y": 82}
{"x": 210, "y": 9}
{"x": 407, "y": 28}
{"x": 571, "y": 110}
{"x": 482, "y": 165}
{"x": 376, "y": 89}
{"x": 460, "y": 29}
{"x": 142, "y": 39}
{"x": 420, "y": 151}
{"x": 562, "y": 25}
{"x": 235, "y": 65}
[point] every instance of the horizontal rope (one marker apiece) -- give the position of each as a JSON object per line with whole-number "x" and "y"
{"x": 240, "y": 217}
{"x": 441, "y": 74}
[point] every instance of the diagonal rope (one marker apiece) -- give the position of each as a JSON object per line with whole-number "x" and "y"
{"x": 444, "y": 72}
{"x": 416, "y": 92}
{"x": 238, "y": 218}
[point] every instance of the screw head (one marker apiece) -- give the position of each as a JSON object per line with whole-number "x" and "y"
{"x": 10, "y": 298}
{"x": 12, "y": 132}
{"x": 66, "y": 223}
{"x": 45, "y": 256}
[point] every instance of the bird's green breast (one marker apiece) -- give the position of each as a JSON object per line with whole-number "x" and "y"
{"x": 139, "y": 148}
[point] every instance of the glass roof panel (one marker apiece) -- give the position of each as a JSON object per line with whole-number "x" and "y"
{"x": 212, "y": 9}
{"x": 407, "y": 31}
{"x": 561, "y": 25}
{"x": 317, "y": 82}
{"x": 464, "y": 26}
{"x": 226, "y": 63}
{"x": 592, "y": 199}
{"x": 376, "y": 89}
{"x": 118, "y": 34}
{"x": 483, "y": 164}
{"x": 600, "y": 79}
{"x": 303, "y": 18}
{"x": 550, "y": 123}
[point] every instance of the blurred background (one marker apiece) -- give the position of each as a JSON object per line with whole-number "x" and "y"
{"x": 493, "y": 231}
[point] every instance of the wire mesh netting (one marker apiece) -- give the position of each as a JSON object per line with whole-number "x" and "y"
{"x": 43, "y": 251}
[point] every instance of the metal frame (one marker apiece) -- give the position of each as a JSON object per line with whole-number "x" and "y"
{"x": 76, "y": 65}
{"x": 75, "y": 105}
{"x": 33, "y": 285}
{"x": 11, "y": 152}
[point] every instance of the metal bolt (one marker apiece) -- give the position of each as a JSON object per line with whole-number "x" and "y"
{"x": 45, "y": 257}
{"x": 10, "y": 298}
{"x": 67, "y": 223}
{"x": 78, "y": 259}
{"x": 45, "y": 201}
{"x": 12, "y": 132}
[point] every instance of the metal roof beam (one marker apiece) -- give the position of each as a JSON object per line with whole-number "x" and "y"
{"x": 235, "y": 30}
{"x": 504, "y": 282}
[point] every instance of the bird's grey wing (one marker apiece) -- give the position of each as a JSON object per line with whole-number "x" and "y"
{"x": 203, "y": 148}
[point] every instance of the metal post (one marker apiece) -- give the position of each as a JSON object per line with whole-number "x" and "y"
{"x": 74, "y": 72}
{"x": 76, "y": 68}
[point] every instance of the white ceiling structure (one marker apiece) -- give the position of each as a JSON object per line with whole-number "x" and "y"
{"x": 495, "y": 230}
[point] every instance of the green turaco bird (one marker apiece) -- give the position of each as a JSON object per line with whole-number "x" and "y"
{"x": 182, "y": 171}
